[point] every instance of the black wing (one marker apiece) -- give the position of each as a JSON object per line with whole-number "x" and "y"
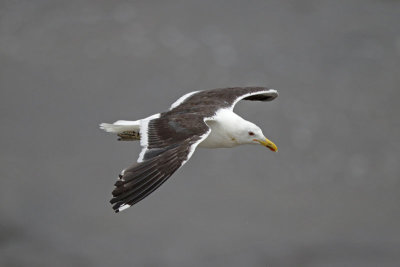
{"x": 170, "y": 143}
{"x": 208, "y": 102}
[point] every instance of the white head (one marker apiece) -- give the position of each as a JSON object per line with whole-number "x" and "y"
{"x": 249, "y": 133}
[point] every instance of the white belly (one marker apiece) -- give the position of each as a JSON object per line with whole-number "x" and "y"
{"x": 216, "y": 140}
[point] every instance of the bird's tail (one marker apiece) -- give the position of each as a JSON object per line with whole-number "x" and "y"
{"x": 126, "y": 130}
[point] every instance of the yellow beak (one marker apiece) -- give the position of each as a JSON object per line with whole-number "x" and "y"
{"x": 268, "y": 143}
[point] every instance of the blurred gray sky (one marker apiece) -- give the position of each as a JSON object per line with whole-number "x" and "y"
{"x": 330, "y": 197}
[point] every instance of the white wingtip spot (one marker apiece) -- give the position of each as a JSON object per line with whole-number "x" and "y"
{"x": 123, "y": 207}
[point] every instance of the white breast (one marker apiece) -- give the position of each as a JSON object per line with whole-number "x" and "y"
{"x": 224, "y": 126}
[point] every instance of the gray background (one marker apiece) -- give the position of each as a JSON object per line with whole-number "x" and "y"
{"x": 330, "y": 197}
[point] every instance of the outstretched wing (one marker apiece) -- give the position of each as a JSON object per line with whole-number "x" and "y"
{"x": 168, "y": 142}
{"x": 210, "y": 101}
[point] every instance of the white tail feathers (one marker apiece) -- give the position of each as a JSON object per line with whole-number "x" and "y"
{"x": 121, "y": 126}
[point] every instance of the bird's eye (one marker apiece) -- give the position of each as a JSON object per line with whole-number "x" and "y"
{"x": 251, "y": 133}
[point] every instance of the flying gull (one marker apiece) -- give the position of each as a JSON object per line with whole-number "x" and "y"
{"x": 168, "y": 139}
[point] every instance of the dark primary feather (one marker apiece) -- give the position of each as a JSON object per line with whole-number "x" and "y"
{"x": 143, "y": 178}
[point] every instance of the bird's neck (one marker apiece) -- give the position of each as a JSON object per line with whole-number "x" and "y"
{"x": 225, "y": 130}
